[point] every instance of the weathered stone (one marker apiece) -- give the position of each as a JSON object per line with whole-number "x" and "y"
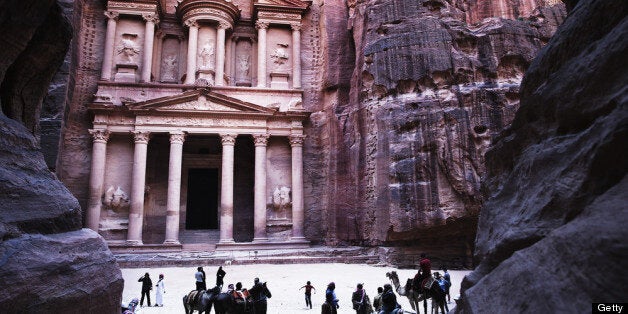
{"x": 47, "y": 264}
{"x": 554, "y": 225}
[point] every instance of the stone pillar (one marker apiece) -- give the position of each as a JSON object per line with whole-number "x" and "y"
{"x": 96, "y": 178}
{"x": 149, "y": 37}
{"x": 296, "y": 55}
{"x": 261, "y": 53}
{"x": 192, "y": 47}
{"x": 136, "y": 214}
{"x": 220, "y": 53}
{"x": 260, "y": 188}
{"x": 107, "y": 63}
{"x": 298, "y": 215}
{"x": 174, "y": 188}
{"x": 226, "y": 188}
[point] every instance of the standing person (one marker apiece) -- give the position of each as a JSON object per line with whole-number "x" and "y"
{"x": 308, "y": 294}
{"x": 425, "y": 271}
{"x": 220, "y": 274}
{"x": 389, "y": 300}
{"x": 331, "y": 305}
{"x": 159, "y": 292}
{"x": 448, "y": 279}
{"x": 260, "y": 294}
{"x": 200, "y": 279}
{"x": 361, "y": 301}
{"x": 204, "y": 279}
{"x": 377, "y": 300}
{"x": 442, "y": 283}
{"x": 147, "y": 286}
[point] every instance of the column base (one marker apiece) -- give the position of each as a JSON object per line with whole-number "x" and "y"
{"x": 226, "y": 241}
{"x": 260, "y": 240}
{"x": 172, "y": 242}
{"x": 134, "y": 242}
{"x": 298, "y": 239}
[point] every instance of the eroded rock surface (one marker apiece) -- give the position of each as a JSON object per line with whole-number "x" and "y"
{"x": 47, "y": 263}
{"x": 554, "y": 227}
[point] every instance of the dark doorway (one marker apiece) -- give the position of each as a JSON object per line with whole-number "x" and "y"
{"x": 202, "y": 205}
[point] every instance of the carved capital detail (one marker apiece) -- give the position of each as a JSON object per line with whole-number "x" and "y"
{"x": 191, "y": 23}
{"x": 177, "y": 137}
{"x": 296, "y": 140}
{"x": 261, "y": 25}
{"x": 260, "y": 139}
{"x": 223, "y": 25}
{"x": 150, "y": 17}
{"x": 141, "y": 137}
{"x": 295, "y": 26}
{"x": 99, "y": 136}
{"x": 228, "y": 139}
{"x": 112, "y": 15}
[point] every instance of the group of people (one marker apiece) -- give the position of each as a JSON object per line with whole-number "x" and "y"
{"x": 201, "y": 278}
{"x": 147, "y": 286}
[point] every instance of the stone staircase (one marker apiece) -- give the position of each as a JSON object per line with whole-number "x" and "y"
{"x": 199, "y": 240}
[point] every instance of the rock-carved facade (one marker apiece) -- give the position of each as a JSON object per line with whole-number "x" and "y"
{"x": 198, "y": 116}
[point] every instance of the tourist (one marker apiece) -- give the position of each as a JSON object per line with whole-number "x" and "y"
{"x": 425, "y": 271}
{"x": 443, "y": 284}
{"x": 220, "y": 274}
{"x": 308, "y": 294}
{"x": 389, "y": 300}
{"x": 159, "y": 292}
{"x": 361, "y": 301}
{"x": 147, "y": 286}
{"x": 260, "y": 294}
{"x": 448, "y": 278}
{"x": 377, "y": 300}
{"x": 331, "y": 301}
{"x": 200, "y": 279}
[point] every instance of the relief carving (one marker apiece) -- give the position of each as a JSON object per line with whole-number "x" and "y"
{"x": 280, "y": 55}
{"x": 206, "y": 56}
{"x": 115, "y": 198}
{"x": 244, "y": 66}
{"x": 281, "y": 201}
{"x": 169, "y": 68}
{"x": 127, "y": 48}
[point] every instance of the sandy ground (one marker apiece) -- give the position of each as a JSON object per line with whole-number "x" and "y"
{"x": 283, "y": 281}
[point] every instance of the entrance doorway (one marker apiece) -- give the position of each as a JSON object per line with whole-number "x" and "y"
{"x": 202, "y": 204}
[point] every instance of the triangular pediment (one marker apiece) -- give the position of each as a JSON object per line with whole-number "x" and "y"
{"x": 199, "y": 101}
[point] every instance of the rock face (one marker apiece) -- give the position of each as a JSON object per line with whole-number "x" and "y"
{"x": 48, "y": 263}
{"x": 553, "y": 228}
{"x": 407, "y": 136}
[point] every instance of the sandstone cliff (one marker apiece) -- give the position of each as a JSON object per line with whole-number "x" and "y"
{"x": 554, "y": 227}
{"x": 48, "y": 264}
{"x": 432, "y": 83}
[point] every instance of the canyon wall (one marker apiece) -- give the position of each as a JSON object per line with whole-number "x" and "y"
{"x": 403, "y": 138}
{"x": 48, "y": 264}
{"x": 554, "y": 226}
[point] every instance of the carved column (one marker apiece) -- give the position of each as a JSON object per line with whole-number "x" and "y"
{"x": 226, "y": 188}
{"x": 296, "y": 55}
{"x": 136, "y": 215}
{"x": 112, "y": 18}
{"x": 157, "y": 54}
{"x": 174, "y": 188}
{"x": 296, "y": 141}
{"x": 149, "y": 37}
{"x": 220, "y": 53}
{"x": 261, "y": 53}
{"x": 192, "y": 47}
{"x": 96, "y": 178}
{"x": 260, "y": 188}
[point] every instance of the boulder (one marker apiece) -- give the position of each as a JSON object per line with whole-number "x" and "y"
{"x": 553, "y": 227}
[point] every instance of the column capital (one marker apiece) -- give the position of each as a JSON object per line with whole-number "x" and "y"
{"x": 141, "y": 136}
{"x": 295, "y": 26}
{"x": 260, "y": 139}
{"x": 296, "y": 140}
{"x": 100, "y": 136}
{"x": 223, "y": 25}
{"x": 150, "y": 17}
{"x": 191, "y": 23}
{"x": 177, "y": 137}
{"x": 112, "y": 15}
{"x": 261, "y": 24}
{"x": 228, "y": 139}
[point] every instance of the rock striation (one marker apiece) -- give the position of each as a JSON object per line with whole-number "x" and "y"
{"x": 553, "y": 227}
{"x": 430, "y": 88}
{"x": 47, "y": 262}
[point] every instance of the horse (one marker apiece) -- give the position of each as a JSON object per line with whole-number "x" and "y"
{"x": 226, "y": 303}
{"x": 327, "y": 308}
{"x": 429, "y": 288}
{"x": 200, "y": 301}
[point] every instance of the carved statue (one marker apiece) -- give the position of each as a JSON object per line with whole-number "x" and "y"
{"x": 207, "y": 56}
{"x": 128, "y": 49}
{"x": 279, "y": 55}
{"x": 115, "y": 198}
{"x": 243, "y": 66}
{"x": 170, "y": 65}
{"x": 281, "y": 198}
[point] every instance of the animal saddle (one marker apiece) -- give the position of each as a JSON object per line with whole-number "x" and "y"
{"x": 428, "y": 282}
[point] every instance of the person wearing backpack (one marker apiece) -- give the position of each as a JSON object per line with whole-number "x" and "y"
{"x": 361, "y": 301}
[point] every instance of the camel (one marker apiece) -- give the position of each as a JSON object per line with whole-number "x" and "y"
{"x": 413, "y": 296}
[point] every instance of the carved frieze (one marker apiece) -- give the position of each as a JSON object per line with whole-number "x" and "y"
{"x": 209, "y": 13}
{"x": 198, "y": 122}
{"x": 279, "y": 16}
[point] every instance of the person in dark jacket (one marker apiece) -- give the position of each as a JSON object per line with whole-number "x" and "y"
{"x": 220, "y": 274}
{"x": 389, "y": 300}
{"x": 361, "y": 301}
{"x": 260, "y": 294}
{"x": 147, "y": 286}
